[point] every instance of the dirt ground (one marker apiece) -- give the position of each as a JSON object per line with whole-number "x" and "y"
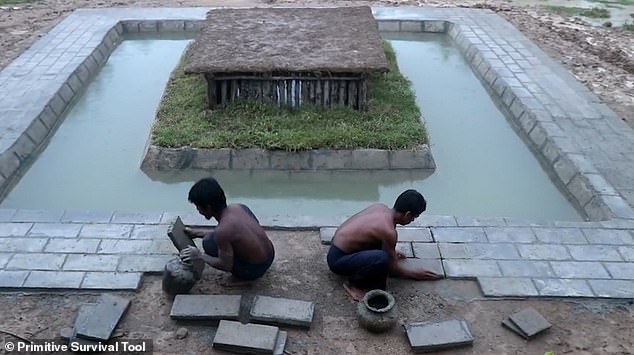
{"x": 300, "y": 272}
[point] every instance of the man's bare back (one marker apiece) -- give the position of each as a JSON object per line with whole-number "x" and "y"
{"x": 369, "y": 229}
{"x": 247, "y": 238}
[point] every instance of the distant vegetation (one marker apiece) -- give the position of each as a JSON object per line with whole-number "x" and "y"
{"x": 595, "y": 12}
{"x": 14, "y": 2}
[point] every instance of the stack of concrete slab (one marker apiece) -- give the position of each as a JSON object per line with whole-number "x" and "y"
{"x": 433, "y": 336}
{"x": 96, "y": 322}
{"x": 249, "y": 338}
{"x": 526, "y": 323}
{"x": 206, "y": 307}
{"x": 282, "y": 311}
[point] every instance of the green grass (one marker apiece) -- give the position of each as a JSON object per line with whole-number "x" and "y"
{"x": 594, "y": 12}
{"x": 391, "y": 121}
{"x": 612, "y": 2}
{"x": 15, "y": 2}
{"x": 629, "y": 26}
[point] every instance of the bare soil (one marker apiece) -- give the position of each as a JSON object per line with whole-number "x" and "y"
{"x": 300, "y": 272}
{"x": 601, "y": 58}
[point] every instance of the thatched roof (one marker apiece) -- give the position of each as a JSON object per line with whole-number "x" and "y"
{"x": 263, "y": 40}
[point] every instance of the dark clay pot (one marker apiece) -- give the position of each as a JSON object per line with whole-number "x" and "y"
{"x": 179, "y": 277}
{"x": 377, "y": 311}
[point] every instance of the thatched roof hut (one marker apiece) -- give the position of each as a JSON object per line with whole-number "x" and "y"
{"x": 289, "y": 56}
{"x": 262, "y": 40}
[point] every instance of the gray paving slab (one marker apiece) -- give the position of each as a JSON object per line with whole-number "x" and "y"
{"x": 530, "y": 322}
{"x": 507, "y": 286}
{"x": 414, "y": 235}
{"x": 510, "y": 235}
{"x": 106, "y": 231}
{"x": 143, "y": 263}
{"x": 326, "y": 234}
{"x": 613, "y": 288}
{"x": 608, "y": 236}
{"x": 6, "y": 214}
{"x": 176, "y": 233}
{"x": 543, "y": 252}
{"x": 280, "y": 343}
{"x": 37, "y": 216}
{"x": 525, "y": 268}
{"x": 434, "y": 265}
{"x": 245, "y": 338}
{"x": 123, "y": 246}
{"x": 560, "y": 236}
{"x": 478, "y": 251}
{"x": 22, "y": 244}
{"x": 136, "y": 217}
{"x": 57, "y": 230}
{"x": 149, "y": 231}
{"x": 4, "y": 259}
{"x": 282, "y": 311}
{"x": 206, "y": 307}
{"x": 91, "y": 262}
{"x": 627, "y": 253}
{"x": 471, "y": 268}
{"x": 405, "y": 249}
{"x": 111, "y": 280}
{"x": 511, "y": 326}
{"x": 436, "y": 221}
{"x": 103, "y": 320}
{"x": 14, "y": 229}
{"x": 12, "y": 278}
{"x": 67, "y": 245}
{"x": 438, "y": 335}
{"x": 459, "y": 235}
{"x": 480, "y": 221}
{"x": 426, "y": 250}
{"x": 563, "y": 287}
{"x": 579, "y": 270}
{"x": 37, "y": 261}
{"x": 623, "y": 271}
{"x": 54, "y": 279}
{"x": 86, "y": 217}
{"x": 594, "y": 252}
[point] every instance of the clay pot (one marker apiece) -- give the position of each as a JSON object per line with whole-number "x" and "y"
{"x": 179, "y": 277}
{"x": 377, "y": 311}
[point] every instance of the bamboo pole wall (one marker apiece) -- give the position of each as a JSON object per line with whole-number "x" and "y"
{"x": 293, "y": 89}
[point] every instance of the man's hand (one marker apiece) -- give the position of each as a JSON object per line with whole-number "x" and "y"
{"x": 190, "y": 254}
{"x": 423, "y": 274}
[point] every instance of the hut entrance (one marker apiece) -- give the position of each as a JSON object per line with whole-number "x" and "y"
{"x": 289, "y": 56}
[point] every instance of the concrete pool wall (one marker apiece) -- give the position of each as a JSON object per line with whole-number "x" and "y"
{"x": 542, "y": 99}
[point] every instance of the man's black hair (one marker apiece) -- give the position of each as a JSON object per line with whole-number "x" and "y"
{"x": 208, "y": 193}
{"x": 410, "y": 201}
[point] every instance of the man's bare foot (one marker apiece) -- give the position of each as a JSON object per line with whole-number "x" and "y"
{"x": 355, "y": 293}
{"x": 231, "y": 282}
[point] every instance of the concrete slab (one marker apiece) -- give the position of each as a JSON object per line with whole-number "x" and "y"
{"x": 326, "y": 234}
{"x": 103, "y": 319}
{"x": 245, "y": 338}
{"x": 530, "y": 322}
{"x": 282, "y": 311}
{"x": 176, "y": 233}
{"x": 206, "y": 307}
{"x": 414, "y": 235}
{"x": 280, "y": 344}
{"x": 405, "y": 249}
{"x": 83, "y": 316}
{"x": 512, "y": 327}
{"x": 433, "y": 335}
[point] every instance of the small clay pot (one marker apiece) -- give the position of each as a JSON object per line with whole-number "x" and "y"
{"x": 377, "y": 311}
{"x": 179, "y": 277}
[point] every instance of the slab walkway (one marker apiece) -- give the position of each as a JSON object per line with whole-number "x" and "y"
{"x": 84, "y": 250}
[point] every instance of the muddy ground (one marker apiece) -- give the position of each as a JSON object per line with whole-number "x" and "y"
{"x": 300, "y": 272}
